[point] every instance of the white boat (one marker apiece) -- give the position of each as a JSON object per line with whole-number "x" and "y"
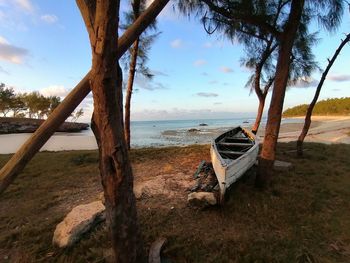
{"x": 232, "y": 154}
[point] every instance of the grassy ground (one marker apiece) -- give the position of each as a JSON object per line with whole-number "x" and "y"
{"x": 303, "y": 217}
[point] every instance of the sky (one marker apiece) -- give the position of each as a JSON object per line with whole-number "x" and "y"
{"x": 44, "y": 47}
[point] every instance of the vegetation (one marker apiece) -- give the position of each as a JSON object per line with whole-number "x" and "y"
{"x": 307, "y": 121}
{"x": 304, "y": 217}
{"x": 31, "y": 105}
{"x": 292, "y": 23}
{"x": 328, "y": 107}
{"x": 136, "y": 58}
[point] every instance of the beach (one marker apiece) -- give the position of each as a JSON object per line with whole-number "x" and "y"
{"x": 166, "y": 133}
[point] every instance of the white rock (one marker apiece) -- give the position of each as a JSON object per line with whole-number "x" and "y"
{"x": 202, "y": 198}
{"x": 78, "y": 221}
{"x": 282, "y": 166}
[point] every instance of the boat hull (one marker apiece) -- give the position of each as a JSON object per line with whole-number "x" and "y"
{"x": 229, "y": 170}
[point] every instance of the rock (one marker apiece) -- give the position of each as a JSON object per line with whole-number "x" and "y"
{"x": 203, "y": 124}
{"x": 27, "y": 125}
{"x": 201, "y": 199}
{"x": 78, "y": 221}
{"x": 101, "y": 197}
{"x": 155, "y": 249}
{"x": 282, "y": 166}
{"x": 142, "y": 190}
{"x": 193, "y": 130}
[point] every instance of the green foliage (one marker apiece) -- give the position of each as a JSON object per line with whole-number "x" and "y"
{"x": 32, "y": 105}
{"x": 6, "y": 97}
{"x": 146, "y": 41}
{"x": 336, "y": 106}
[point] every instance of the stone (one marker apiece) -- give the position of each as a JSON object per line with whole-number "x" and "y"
{"x": 201, "y": 199}
{"x": 101, "y": 197}
{"x": 282, "y": 166}
{"x": 77, "y": 222}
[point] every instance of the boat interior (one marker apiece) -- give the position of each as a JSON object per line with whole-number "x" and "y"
{"x": 234, "y": 143}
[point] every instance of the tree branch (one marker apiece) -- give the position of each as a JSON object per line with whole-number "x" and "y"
{"x": 252, "y": 20}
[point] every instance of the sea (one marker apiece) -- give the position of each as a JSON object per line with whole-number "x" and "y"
{"x": 143, "y": 134}
{"x": 184, "y": 132}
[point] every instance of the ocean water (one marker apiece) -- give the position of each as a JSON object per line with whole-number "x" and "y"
{"x": 176, "y": 132}
{"x": 143, "y": 134}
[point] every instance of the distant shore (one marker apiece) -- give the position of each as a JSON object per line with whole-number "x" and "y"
{"x": 324, "y": 129}
{"x": 10, "y": 125}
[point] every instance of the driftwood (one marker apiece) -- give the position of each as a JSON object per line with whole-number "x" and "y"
{"x": 16, "y": 164}
{"x": 155, "y": 249}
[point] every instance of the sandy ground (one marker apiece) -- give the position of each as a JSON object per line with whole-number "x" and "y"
{"x": 323, "y": 129}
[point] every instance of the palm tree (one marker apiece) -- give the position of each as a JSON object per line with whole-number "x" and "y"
{"x": 294, "y": 16}
{"x": 307, "y": 121}
{"x": 135, "y": 60}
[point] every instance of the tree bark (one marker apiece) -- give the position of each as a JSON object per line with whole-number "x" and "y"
{"x": 267, "y": 156}
{"x": 259, "y": 114}
{"x": 107, "y": 125}
{"x": 308, "y": 115}
{"x": 131, "y": 78}
{"x": 18, "y": 161}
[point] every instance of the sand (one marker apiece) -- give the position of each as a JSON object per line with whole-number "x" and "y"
{"x": 323, "y": 130}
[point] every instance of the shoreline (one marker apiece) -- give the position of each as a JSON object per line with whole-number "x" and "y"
{"x": 324, "y": 129}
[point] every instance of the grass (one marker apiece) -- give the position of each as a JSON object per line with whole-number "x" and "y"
{"x": 303, "y": 217}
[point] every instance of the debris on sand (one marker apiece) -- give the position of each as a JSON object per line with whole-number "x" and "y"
{"x": 206, "y": 188}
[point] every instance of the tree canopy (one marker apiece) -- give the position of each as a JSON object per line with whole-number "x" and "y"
{"x": 338, "y": 106}
{"x": 32, "y": 105}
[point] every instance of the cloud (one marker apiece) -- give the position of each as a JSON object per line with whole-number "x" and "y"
{"x": 177, "y": 43}
{"x": 11, "y": 53}
{"x": 339, "y": 77}
{"x": 185, "y": 114}
{"x": 54, "y": 90}
{"x": 305, "y": 83}
{"x": 199, "y": 62}
{"x": 49, "y": 19}
{"x": 25, "y": 5}
{"x": 226, "y": 69}
{"x": 209, "y": 44}
{"x": 143, "y": 83}
{"x": 206, "y": 94}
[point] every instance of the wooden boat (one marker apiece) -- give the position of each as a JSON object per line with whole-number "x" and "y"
{"x": 232, "y": 154}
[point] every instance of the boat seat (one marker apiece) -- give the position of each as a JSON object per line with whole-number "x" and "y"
{"x": 238, "y": 138}
{"x": 234, "y": 144}
{"x": 231, "y": 152}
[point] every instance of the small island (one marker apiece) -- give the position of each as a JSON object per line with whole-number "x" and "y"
{"x": 28, "y": 125}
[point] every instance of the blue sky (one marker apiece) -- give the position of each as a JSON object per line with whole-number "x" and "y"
{"x": 44, "y": 46}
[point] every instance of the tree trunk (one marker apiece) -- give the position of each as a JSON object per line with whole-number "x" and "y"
{"x": 19, "y": 160}
{"x": 101, "y": 20}
{"x": 307, "y": 122}
{"x": 267, "y": 156}
{"x": 131, "y": 78}
{"x": 259, "y": 115}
